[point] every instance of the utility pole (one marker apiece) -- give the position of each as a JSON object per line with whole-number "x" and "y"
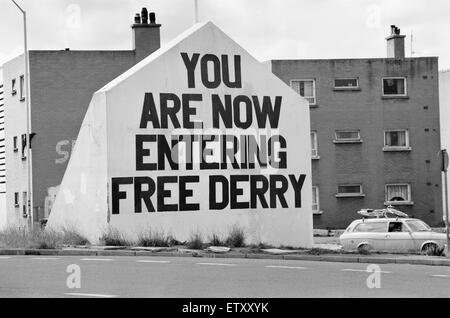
{"x": 444, "y": 167}
{"x": 28, "y": 108}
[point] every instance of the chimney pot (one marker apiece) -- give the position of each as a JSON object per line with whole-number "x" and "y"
{"x": 137, "y": 18}
{"x": 152, "y": 18}
{"x": 144, "y": 15}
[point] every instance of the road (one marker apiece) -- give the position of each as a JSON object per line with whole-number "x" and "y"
{"x": 33, "y": 276}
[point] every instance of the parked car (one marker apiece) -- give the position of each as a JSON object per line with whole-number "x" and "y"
{"x": 392, "y": 235}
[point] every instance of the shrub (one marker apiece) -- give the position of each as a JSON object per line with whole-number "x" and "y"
{"x": 215, "y": 240}
{"x": 70, "y": 236}
{"x": 113, "y": 237}
{"x": 195, "y": 241}
{"x": 15, "y": 237}
{"x": 155, "y": 239}
{"x": 236, "y": 237}
{"x": 433, "y": 250}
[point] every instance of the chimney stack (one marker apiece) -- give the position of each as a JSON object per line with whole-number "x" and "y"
{"x": 395, "y": 44}
{"x": 146, "y": 36}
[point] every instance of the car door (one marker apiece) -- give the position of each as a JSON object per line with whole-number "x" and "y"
{"x": 398, "y": 237}
{"x": 372, "y": 233}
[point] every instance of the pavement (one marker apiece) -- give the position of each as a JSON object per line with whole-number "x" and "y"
{"x": 189, "y": 277}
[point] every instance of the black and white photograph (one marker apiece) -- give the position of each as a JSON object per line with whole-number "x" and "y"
{"x": 220, "y": 157}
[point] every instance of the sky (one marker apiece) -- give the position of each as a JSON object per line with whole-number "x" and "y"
{"x": 268, "y": 29}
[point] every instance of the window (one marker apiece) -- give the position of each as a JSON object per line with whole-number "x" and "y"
{"x": 397, "y": 227}
{"x": 394, "y": 86}
{"x": 373, "y": 227}
{"x": 314, "y": 150}
{"x": 306, "y": 88}
{"x": 398, "y": 194}
{"x": 24, "y": 145}
{"x": 13, "y": 87}
{"x": 315, "y": 200}
{"x": 349, "y": 190}
{"x": 347, "y": 136}
{"x": 22, "y": 88}
{"x": 418, "y": 226}
{"x": 396, "y": 140}
{"x": 346, "y": 83}
{"x": 16, "y": 199}
{"x": 24, "y": 196}
{"x": 15, "y": 146}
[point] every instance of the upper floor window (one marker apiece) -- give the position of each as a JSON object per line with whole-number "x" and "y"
{"x": 396, "y": 140}
{"x": 398, "y": 194}
{"x": 22, "y": 88}
{"x": 314, "y": 149}
{"x": 24, "y": 145}
{"x": 349, "y": 190}
{"x": 13, "y": 87}
{"x": 394, "y": 86}
{"x": 15, "y": 146}
{"x": 306, "y": 88}
{"x": 346, "y": 83}
{"x": 347, "y": 136}
{"x": 16, "y": 199}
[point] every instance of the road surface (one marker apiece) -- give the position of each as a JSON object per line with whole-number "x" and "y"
{"x": 42, "y": 276}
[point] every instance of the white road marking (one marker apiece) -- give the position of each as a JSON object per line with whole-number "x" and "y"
{"x": 45, "y": 258}
{"x": 447, "y": 276}
{"x": 147, "y": 261}
{"x": 97, "y": 259}
{"x": 362, "y": 270}
{"x": 5, "y": 257}
{"x": 91, "y": 295}
{"x": 216, "y": 264}
{"x": 286, "y": 267}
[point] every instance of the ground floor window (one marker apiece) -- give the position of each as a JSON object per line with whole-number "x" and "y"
{"x": 349, "y": 190}
{"x": 398, "y": 194}
{"x": 315, "y": 200}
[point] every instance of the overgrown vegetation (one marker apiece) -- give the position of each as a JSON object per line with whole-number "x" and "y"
{"x": 215, "y": 240}
{"x": 433, "y": 250}
{"x": 151, "y": 238}
{"x": 195, "y": 241}
{"x": 21, "y": 237}
{"x": 113, "y": 237}
{"x": 236, "y": 237}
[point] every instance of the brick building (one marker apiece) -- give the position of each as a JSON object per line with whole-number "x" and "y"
{"x": 375, "y": 133}
{"x": 61, "y": 86}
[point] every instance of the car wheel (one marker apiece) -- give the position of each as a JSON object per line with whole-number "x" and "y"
{"x": 431, "y": 249}
{"x": 364, "y": 249}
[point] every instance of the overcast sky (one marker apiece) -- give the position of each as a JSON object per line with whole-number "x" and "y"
{"x": 268, "y": 29}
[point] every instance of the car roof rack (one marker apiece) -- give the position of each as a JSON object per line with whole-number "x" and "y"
{"x": 379, "y": 213}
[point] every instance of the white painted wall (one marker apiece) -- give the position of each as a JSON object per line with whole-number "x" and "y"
{"x": 444, "y": 113}
{"x": 102, "y": 153}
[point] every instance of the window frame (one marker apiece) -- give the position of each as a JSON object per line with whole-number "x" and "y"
{"x": 15, "y": 144}
{"x": 315, "y": 190}
{"x": 24, "y": 203}
{"x": 13, "y": 87}
{"x": 404, "y": 78}
{"x": 350, "y": 194}
{"x": 347, "y": 140}
{"x": 407, "y": 147}
{"x": 313, "y": 80}
{"x": 357, "y": 87}
{"x": 408, "y": 202}
{"x": 16, "y": 200}
{"x": 24, "y": 145}
{"x": 314, "y": 146}
{"x": 22, "y": 86}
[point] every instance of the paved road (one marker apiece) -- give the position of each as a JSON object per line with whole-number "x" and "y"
{"x": 32, "y": 276}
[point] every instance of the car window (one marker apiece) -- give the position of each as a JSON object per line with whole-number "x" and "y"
{"x": 397, "y": 227}
{"x": 418, "y": 226}
{"x": 377, "y": 227}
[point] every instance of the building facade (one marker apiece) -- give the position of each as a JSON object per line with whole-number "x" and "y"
{"x": 61, "y": 86}
{"x": 375, "y": 133}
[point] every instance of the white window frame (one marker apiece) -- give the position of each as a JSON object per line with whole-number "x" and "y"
{"x": 314, "y": 146}
{"x": 396, "y": 148}
{"x": 348, "y": 194}
{"x": 409, "y": 202}
{"x": 13, "y": 87}
{"x": 22, "y": 88}
{"x": 394, "y": 95}
{"x": 346, "y": 87}
{"x": 315, "y": 191}
{"x": 314, "y": 88}
{"x": 347, "y": 140}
